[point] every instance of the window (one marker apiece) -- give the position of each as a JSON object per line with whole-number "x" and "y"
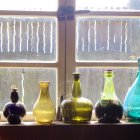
{"x": 29, "y": 50}
{"x": 42, "y": 41}
{"x": 106, "y": 36}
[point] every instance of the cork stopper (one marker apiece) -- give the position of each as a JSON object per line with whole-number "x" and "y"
{"x": 76, "y": 75}
{"x": 108, "y": 73}
{"x": 14, "y": 95}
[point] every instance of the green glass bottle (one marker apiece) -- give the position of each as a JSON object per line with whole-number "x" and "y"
{"x": 108, "y": 108}
{"x": 44, "y": 110}
{"x": 76, "y": 109}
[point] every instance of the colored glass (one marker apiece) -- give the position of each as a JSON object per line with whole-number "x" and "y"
{"x": 132, "y": 100}
{"x": 76, "y": 109}
{"x": 108, "y": 108}
{"x": 44, "y": 109}
{"x": 14, "y": 111}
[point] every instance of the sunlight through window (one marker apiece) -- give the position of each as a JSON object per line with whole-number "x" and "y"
{"x": 29, "y": 5}
{"x": 105, "y": 4}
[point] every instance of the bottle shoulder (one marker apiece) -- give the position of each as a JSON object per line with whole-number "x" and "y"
{"x": 16, "y": 105}
{"x": 76, "y": 101}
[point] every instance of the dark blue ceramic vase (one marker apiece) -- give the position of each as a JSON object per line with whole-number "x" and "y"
{"x": 14, "y": 111}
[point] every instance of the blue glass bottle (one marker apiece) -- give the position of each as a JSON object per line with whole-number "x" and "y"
{"x": 132, "y": 100}
{"x": 14, "y": 111}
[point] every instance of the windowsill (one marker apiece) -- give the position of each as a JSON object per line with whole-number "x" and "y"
{"x": 60, "y": 123}
{"x": 63, "y": 131}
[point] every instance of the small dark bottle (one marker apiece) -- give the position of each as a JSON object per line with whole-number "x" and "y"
{"x": 59, "y": 111}
{"x": 14, "y": 111}
{"x": 108, "y": 108}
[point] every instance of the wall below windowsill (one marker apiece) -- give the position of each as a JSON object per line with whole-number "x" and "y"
{"x": 62, "y": 131}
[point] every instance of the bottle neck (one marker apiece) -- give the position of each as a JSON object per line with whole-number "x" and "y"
{"x": 138, "y": 75}
{"x": 76, "y": 88}
{"x": 109, "y": 90}
{"x": 44, "y": 92}
{"x": 139, "y": 64}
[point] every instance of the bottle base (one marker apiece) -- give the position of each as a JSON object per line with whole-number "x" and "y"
{"x": 76, "y": 121}
{"x": 44, "y": 122}
{"x": 134, "y": 120}
{"x": 108, "y": 120}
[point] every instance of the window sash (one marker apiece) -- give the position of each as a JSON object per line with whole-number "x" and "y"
{"x": 71, "y": 64}
{"x": 60, "y": 64}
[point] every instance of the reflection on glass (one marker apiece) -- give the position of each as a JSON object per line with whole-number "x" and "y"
{"x": 26, "y": 80}
{"x": 107, "y": 38}
{"x": 108, "y": 5}
{"x": 28, "y": 38}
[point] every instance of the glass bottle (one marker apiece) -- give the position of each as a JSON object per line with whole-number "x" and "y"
{"x": 132, "y": 100}
{"x": 59, "y": 111}
{"x": 14, "y": 111}
{"x": 76, "y": 109}
{"x": 44, "y": 110}
{"x": 108, "y": 108}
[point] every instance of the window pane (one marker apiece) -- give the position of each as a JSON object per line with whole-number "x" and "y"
{"x": 28, "y": 39}
{"x": 107, "y": 5}
{"x": 27, "y": 82}
{"x": 94, "y": 79}
{"x": 107, "y": 38}
{"x": 29, "y": 5}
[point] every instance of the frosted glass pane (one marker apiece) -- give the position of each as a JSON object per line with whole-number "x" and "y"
{"x": 28, "y": 39}
{"x": 27, "y": 82}
{"x": 107, "y": 5}
{"x": 92, "y": 82}
{"x": 29, "y": 5}
{"x": 107, "y": 38}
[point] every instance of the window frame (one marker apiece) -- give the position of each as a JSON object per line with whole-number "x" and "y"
{"x": 67, "y": 64}
{"x": 59, "y": 65}
{"x": 71, "y": 63}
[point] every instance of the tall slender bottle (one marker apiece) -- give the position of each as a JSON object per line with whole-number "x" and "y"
{"x": 59, "y": 111}
{"x": 76, "y": 109}
{"x": 132, "y": 100}
{"x": 44, "y": 110}
{"x": 108, "y": 108}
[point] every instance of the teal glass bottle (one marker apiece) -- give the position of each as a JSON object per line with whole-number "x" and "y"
{"x": 132, "y": 100}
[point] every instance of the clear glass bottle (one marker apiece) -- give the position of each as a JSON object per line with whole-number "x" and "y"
{"x": 76, "y": 109}
{"x": 132, "y": 100}
{"x": 108, "y": 108}
{"x": 44, "y": 109}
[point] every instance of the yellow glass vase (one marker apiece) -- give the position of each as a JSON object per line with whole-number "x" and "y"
{"x": 44, "y": 110}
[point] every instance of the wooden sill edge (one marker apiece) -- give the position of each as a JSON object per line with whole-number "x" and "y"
{"x": 55, "y": 123}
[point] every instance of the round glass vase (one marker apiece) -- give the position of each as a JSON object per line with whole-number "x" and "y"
{"x": 14, "y": 111}
{"x": 76, "y": 109}
{"x": 44, "y": 110}
{"x": 108, "y": 109}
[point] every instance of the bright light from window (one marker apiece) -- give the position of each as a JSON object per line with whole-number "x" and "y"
{"x": 101, "y": 4}
{"x": 29, "y": 5}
